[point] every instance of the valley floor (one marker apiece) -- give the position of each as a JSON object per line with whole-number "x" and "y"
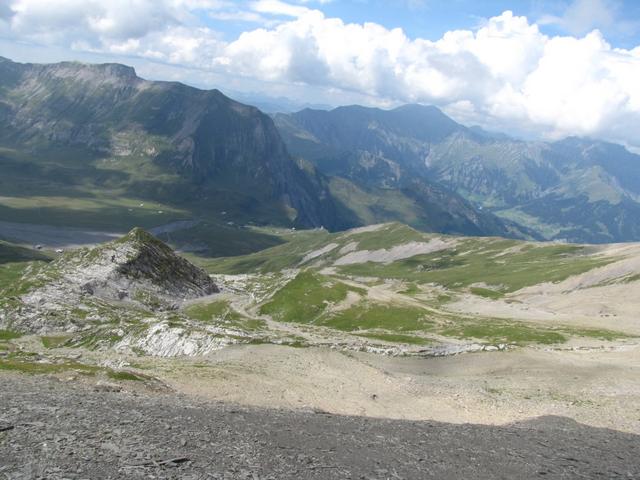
{"x": 57, "y": 429}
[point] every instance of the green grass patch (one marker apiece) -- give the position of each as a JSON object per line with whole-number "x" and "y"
{"x": 305, "y": 298}
{"x": 368, "y": 316}
{"x": 494, "y": 332}
{"x": 10, "y": 273}
{"x": 411, "y": 289}
{"x": 221, "y": 312}
{"x": 9, "y": 335}
{"x": 23, "y": 365}
{"x": 370, "y": 206}
{"x": 387, "y": 236}
{"x": 480, "y": 260}
{"x": 397, "y": 338}
{"x": 26, "y": 277}
{"x": 54, "y": 341}
{"x": 102, "y": 337}
{"x": 121, "y": 375}
{"x": 486, "y": 293}
{"x": 600, "y": 334}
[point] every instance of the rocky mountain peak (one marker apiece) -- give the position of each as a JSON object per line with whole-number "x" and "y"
{"x": 136, "y": 272}
{"x": 139, "y": 261}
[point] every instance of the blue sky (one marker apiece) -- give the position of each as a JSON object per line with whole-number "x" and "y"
{"x": 432, "y": 18}
{"x": 535, "y": 68}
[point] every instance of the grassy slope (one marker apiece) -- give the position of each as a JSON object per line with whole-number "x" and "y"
{"x": 13, "y": 261}
{"x": 71, "y": 187}
{"x": 503, "y": 265}
{"x": 10, "y": 253}
{"x": 340, "y": 298}
{"x": 211, "y": 240}
{"x": 287, "y": 255}
{"x": 479, "y": 261}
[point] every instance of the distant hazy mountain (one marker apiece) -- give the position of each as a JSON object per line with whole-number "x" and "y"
{"x": 576, "y": 189}
{"x": 270, "y": 104}
{"x": 74, "y": 125}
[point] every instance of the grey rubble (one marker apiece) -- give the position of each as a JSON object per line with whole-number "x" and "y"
{"x": 79, "y": 432}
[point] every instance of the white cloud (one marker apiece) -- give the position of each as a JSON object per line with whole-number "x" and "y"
{"x": 506, "y": 74}
{"x": 277, "y": 7}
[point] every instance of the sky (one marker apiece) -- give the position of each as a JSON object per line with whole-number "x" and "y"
{"x": 533, "y": 68}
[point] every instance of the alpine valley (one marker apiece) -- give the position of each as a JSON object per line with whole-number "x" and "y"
{"x": 191, "y": 289}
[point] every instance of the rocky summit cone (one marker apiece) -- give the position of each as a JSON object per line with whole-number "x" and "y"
{"x": 140, "y": 261}
{"x": 134, "y": 274}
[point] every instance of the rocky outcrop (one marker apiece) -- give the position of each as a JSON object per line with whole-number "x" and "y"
{"x": 139, "y": 261}
{"x": 125, "y": 280}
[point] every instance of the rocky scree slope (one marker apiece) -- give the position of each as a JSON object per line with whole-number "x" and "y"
{"x": 145, "y": 436}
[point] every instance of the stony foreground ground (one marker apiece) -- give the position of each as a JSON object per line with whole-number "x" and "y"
{"x": 53, "y": 429}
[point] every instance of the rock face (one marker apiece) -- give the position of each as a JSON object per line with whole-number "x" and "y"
{"x": 126, "y": 280}
{"x": 140, "y": 262}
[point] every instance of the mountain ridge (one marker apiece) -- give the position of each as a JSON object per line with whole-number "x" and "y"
{"x": 209, "y": 142}
{"x": 95, "y": 127}
{"x": 576, "y": 189}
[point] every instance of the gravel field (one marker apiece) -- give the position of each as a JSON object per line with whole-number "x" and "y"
{"x": 68, "y": 430}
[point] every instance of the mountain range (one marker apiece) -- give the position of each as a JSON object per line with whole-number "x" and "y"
{"x": 88, "y": 132}
{"x": 576, "y": 189}
{"x": 88, "y": 128}
{"x": 96, "y": 146}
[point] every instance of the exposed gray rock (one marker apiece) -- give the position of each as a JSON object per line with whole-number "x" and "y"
{"x": 87, "y": 286}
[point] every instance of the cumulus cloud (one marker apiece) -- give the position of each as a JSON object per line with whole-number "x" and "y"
{"x": 165, "y": 30}
{"x": 506, "y": 73}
